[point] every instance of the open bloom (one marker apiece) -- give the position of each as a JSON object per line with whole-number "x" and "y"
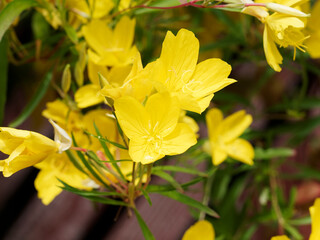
{"x": 25, "y": 148}
{"x": 201, "y": 230}
{"x": 153, "y": 130}
{"x": 313, "y": 43}
{"x": 54, "y": 167}
{"x": 177, "y": 72}
{"x": 224, "y": 136}
{"x": 111, "y": 47}
{"x": 315, "y": 218}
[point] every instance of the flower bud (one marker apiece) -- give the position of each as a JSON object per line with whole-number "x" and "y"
{"x": 286, "y": 10}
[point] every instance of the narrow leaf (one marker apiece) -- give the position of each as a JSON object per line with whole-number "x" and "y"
{"x": 190, "y": 202}
{"x": 165, "y": 188}
{"x": 3, "y": 76}
{"x": 108, "y": 153}
{"x": 179, "y": 169}
{"x": 145, "y": 194}
{"x": 35, "y": 100}
{"x": 145, "y": 230}
{"x": 168, "y": 178}
{"x": 273, "y": 153}
{"x": 12, "y": 11}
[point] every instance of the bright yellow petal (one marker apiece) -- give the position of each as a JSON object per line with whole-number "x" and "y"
{"x": 282, "y": 237}
{"x": 47, "y": 186}
{"x": 143, "y": 151}
{"x": 315, "y": 218}
{"x": 313, "y": 44}
{"x": 164, "y": 113}
{"x": 57, "y": 111}
{"x": 88, "y": 95}
{"x": 55, "y": 167}
{"x": 271, "y": 51}
{"x": 201, "y": 230}
{"x": 132, "y": 117}
{"x": 234, "y": 125}
{"x": 214, "y": 118}
{"x": 241, "y": 150}
{"x": 179, "y": 140}
{"x": 94, "y": 70}
{"x": 124, "y": 33}
{"x": 96, "y": 33}
{"x": 178, "y": 59}
{"x": 209, "y": 77}
{"x": 218, "y": 154}
{"x": 11, "y": 138}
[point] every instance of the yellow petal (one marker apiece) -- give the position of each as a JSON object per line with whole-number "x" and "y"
{"x": 315, "y": 220}
{"x": 271, "y": 51}
{"x": 179, "y": 140}
{"x": 201, "y": 230}
{"x": 214, "y": 118}
{"x": 94, "y": 70}
{"x": 282, "y": 237}
{"x": 164, "y": 113}
{"x": 209, "y": 77}
{"x": 241, "y": 150}
{"x": 88, "y": 95}
{"x": 132, "y": 117}
{"x": 57, "y": 111}
{"x": 313, "y": 44}
{"x": 57, "y": 166}
{"x": 144, "y": 152}
{"x": 96, "y": 33}
{"x": 234, "y": 125}
{"x": 218, "y": 154}
{"x": 124, "y": 33}
{"x": 178, "y": 58}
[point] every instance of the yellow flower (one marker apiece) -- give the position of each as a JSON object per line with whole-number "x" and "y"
{"x": 177, "y": 72}
{"x": 54, "y": 167}
{"x": 313, "y": 43}
{"x": 285, "y": 31}
{"x": 111, "y": 47}
{"x": 224, "y": 136}
{"x": 315, "y": 218}
{"x": 91, "y": 8}
{"x": 201, "y": 230}
{"x": 153, "y": 130}
{"x": 25, "y": 148}
{"x": 282, "y": 237}
{"x": 127, "y": 81}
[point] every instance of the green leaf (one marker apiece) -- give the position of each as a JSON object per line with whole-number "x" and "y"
{"x": 165, "y": 188}
{"x": 88, "y": 166}
{"x": 161, "y": 3}
{"x": 179, "y": 169}
{"x": 168, "y": 178}
{"x": 106, "y": 140}
{"x": 35, "y": 100}
{"x": 3, "y": 76}
{"x": 145, "y": 230}
{"x": 12, "y": 11}
{"x": 293, "y": 231}
{"x": 74, "y": 161}
{"x": 269, "y": 153}
{"x": 301, "y": 221}
{"x": 145, "y": 194}
{"x": 85, "y": 193}
{"x": 108, "y": 153}
{"x": 40, "y": 27}
{"x": 71, "y": 33}
{"x": 190, "y": 202}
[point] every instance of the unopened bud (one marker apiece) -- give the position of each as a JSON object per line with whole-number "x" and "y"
{"x": 286, "y": 10}
{"x": 66, "y": 79}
